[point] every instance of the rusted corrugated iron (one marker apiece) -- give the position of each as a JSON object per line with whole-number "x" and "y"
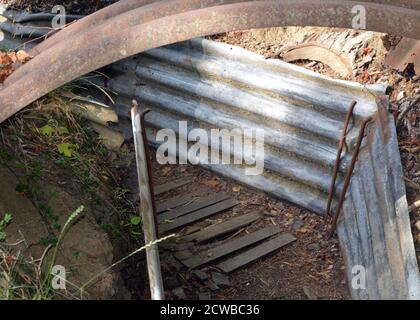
{"x": 166, "y": 22}
{"x": 406, "y": 52}
{"x": 318, "y": 52}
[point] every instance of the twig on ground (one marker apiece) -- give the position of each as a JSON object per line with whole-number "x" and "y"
{"x": 414, "y": 206}
{"x": 411, "y": 184}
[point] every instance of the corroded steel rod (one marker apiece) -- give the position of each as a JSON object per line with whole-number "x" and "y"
{"x": 149, "y": 162}
{"x": 113, "y": 24}
{"x": 338, "y": 159}
{"x": 348, "y": 176}
{"x": 146, "y": 206}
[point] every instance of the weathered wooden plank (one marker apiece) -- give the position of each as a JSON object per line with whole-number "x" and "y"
{"x": 171, "y": 185}
{"x": 256, "y": 253}
{"x": 197, "y": 215}
{"x": 173, "y": 203}
{"x": 176, "y": 247}
{"x": 222, "y": 228}
{"x": 199, "y": 204}
{"x": 229, "y": 247}
{"x": 183, "y": 255}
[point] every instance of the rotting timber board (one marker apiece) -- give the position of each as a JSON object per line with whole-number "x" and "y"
{"x": 256, "y": 253}
{"x": 222, "y": 228}
{"x": 171, "y": 185}
{"x": 197, "y": 215}
{"x": 173, "y": 203}
{"x": 202, "y": 203}
{"x": 193, "y": 261}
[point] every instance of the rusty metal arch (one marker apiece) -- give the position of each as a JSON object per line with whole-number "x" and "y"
{"x": 119, "y": 8}
{"x": 156, "y": 23}
{"x": 116, "y": 9}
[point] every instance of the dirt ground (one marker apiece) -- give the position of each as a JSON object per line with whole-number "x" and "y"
{"x": 41, "y": 185}
{"x": 312, "y": 264}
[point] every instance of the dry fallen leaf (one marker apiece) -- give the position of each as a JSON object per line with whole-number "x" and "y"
{"x": 236, "y": 189}
{"x": 5, "y": 59}
{"x": 211, "y": 183}
{"x": 166, "y": 171}
{"x": 5, "y": 72}
{"x": 10, "y": 61}
{"x": 22, "y": 56}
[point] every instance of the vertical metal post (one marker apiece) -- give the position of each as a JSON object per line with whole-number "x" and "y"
{"x": 146, "y": 205}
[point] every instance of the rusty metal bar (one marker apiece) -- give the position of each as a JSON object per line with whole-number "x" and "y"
{"x": 149, "y": 162}
{"x": 146, "y": 205}
{"x": 338, "y": 159}
{"x": 348, "y": 176}
{"x": 127, "y": 5}
{"x": 91, "y": 21}
{"x": 93, "y": 50}
{"x": 138, "y": 15}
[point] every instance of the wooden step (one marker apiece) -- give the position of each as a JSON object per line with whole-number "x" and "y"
{"x": 222, "y": 228}
{"x": 171, "y": 185}
{"x": 193, "y": 261}
{"x": 173, "y": 203}
{"x": 256, "y": 253}
{"x": 200, "y": 203}
{"x": 197, "y": 216}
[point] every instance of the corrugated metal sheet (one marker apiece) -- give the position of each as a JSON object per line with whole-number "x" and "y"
{"x": 23, "y": 29}
{"x": 374, "y": 231}
{"x": 214, "y": 85}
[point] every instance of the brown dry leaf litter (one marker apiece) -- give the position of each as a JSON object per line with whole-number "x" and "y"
{"x": 11, "y": 61}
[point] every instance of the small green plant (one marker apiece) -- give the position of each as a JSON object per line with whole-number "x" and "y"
{"x": 135, "y": 220}
{"x": 66, "y": 149}
{"x": 24, "y": 278}
{"x": 77, "y": 255}
{"x": 49, "y": 240}
{"x": 4, "y": 222}
{"x": 5, "y": 156}
{"x": 47, "y": 130}
{"x": 68, "y": 223}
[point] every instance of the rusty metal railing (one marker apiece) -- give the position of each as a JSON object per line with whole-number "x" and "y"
{"x": 123, "y": 31}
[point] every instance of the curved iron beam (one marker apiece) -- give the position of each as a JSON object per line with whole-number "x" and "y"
{"x": 105, "y": 49}
{"x": 114, "y": 25}
{"x": 409, "y": 4}
{"x": 126, "y": 14}
{"x": 83, "y": 26}
{"x": 123, "y": 6}
{"x": 95, "y": 19}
